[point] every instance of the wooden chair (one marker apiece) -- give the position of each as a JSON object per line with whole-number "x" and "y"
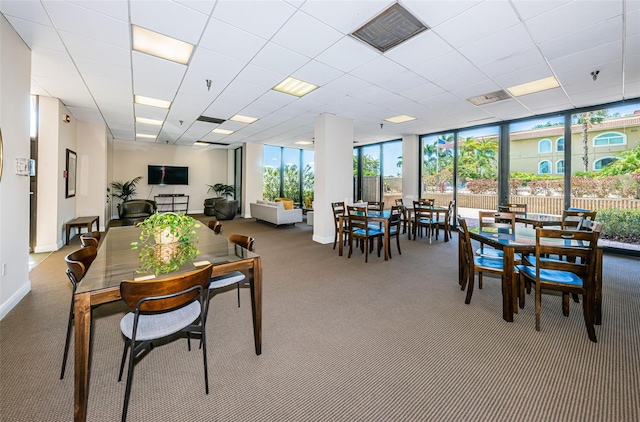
{"x": 520, "y": 210}
{"x": 574, "y": 275}
{"x": 472, "y": 264}
{"x": 503, "y": 221}
{"x": 78, "y": 263}
{"x": 572, "y": 219}
{"x": 236, "y": 277}
{"x": 423, "y": 218}
{"x": 445, "y": 220}
{"x": 162, "y": 307}
{"x": 216, "y": 226}
{"x": 363, "y": 231}
{"x": 90, "y": 238}
{"x": 393, "y": 225}
{"x": 375, "y": 206}
{"x": 338, "y": 211}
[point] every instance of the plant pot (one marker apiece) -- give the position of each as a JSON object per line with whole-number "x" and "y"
{"x": 226, "y": 210}
{"x": 165, "y": 237}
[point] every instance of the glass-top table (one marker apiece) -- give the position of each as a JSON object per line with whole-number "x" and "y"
{"x": 117, "y": 261}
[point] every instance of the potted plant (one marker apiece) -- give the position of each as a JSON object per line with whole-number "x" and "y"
{"x": 124, "y": 190}
{"x": 221, "y": 207}
{"x": 167, "y": 241}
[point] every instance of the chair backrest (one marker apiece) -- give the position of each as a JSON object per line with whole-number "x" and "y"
{"x": 90, "y": 239}
{"x": 464, "y": 240}
{"x": 398, "y": 201}
{"x": 169, "y": 292}
{"x": 375, "y": 206}
{"x": 499, "y": 220}
{"x": 517, "y": 209}
{"x": 450, "y": 207}
{"x": 78, "y": 263}
{"x": 396, "y": 215}
{"x": 242, "y": 240}
{"x": 426, "y": 201}
{"x": 422, "y": 209}
{"x": 572, "y": 244}
{"x": 590, "y": 225}
{"x": 358, "y": 222}
{"x": 571, "y": 219}
{"x": 216, "y": 226}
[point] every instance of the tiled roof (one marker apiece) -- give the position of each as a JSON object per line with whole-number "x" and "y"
{"x": 559, "y": 130}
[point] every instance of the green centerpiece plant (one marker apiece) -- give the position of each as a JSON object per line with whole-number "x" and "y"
{"x": 167, "y": 242}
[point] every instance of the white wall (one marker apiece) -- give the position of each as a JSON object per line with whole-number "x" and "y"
{"x": 410, "y": 167}
{"x": 91, "y": 192}
{"x": 15, "y": 70}
{"x": 206, "y": 167}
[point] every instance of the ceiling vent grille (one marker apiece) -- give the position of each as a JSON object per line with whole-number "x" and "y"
{"x": 491, "y": 97}
{"x": 210, "y": 120}
{"x": 390, "y": 28}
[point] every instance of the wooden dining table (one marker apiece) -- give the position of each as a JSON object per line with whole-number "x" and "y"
{"x": 539, "y": 219}
{"x": 373, "y": 217}
{"x": 409, "y": 216}
{"x": 117, "y": 261}
{"x": 523, "y": 241}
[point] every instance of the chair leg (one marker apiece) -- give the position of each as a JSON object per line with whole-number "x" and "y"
{"x": 335, "y": 240}
{"x": 204, "y": 357}
{"x": 67, "y": 341}
{"x": 587, "y": 308}
{"x": 467, "y": 300}
{"x": 479, "y": 280}
{"x": 398, "y": 243}
{"x": 538, "y": 299}
{"x": 238, "y": 288}
{"x": 521, "y": 290}
{"x": 124, "y": 358}
{"x": 127, "y": 392}
{"x": 565, "y": 304}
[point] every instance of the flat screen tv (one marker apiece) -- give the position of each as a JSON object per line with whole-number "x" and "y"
{"x": 167, "y": 175}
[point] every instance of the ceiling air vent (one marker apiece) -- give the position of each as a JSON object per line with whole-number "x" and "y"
{"x": 491, "y": 97}
{"x": 390, "y": 28}
{"x": 210, "y": 120}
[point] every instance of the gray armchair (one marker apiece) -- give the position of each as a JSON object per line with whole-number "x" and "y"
{"x": 136, "y": 210}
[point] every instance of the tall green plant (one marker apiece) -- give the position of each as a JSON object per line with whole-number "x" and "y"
{"x": 125, "y": 190}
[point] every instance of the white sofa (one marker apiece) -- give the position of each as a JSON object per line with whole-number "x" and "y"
{"x": 274, "y": 213}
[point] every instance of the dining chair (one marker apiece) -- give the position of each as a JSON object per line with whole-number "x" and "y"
{"x": 574, "y": 275}
{"x": 472, "y": 264}
{"x": 445, "y": 220}
{"x": 378, "y": 207}
{"x": 503, "y": 221}
{"x": 216, "y": 226}
{"x": 423, "y": 219}
{"x": 393, "y": 225}
{"x": 236, "y": 277}
{"x": 90, "y": 238}
{"x": 520, "y": 210}
{"x": 78, "y": 263}
{"x": 572, "y": 219}
{"x": 403, "y": 217}
{"x": 339, "y": 210}
{"x": 161, "y": 308}
{"x": 362, "y": 231}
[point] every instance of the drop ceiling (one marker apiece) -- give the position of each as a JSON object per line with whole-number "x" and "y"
{"x": 81, "y": 54}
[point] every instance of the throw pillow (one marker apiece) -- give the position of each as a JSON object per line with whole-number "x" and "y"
{"x": 288, "y": 203}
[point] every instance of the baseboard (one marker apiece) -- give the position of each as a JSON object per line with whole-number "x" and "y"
{"x": 11, "y": 303}
{"x": 322, "y": 240}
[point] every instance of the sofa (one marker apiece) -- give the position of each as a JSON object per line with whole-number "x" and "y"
{"x": 136, "y": 210}
{"x": 274, "y": 213}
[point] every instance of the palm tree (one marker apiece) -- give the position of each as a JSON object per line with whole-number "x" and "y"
{"x": 586, "y": 120}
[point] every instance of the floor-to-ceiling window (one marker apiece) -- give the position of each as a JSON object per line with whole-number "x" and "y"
{"x": 272, "y": 160}
{"x": 377, "y": 170}
{"x": 477, "y": 153}
{"x": 288, "y": 173}
{"x": 437, "y": 167}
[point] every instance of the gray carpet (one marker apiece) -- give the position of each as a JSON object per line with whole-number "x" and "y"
{"x": 342, "y": 341}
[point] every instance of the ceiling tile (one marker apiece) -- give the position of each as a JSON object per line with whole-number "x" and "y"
{"x": 377, "y": 70}
{"x": 317, "y": 73}
{"x": 37, "y": 35}
{"x": 347, "y": 54}
{"x": 231, "y": 41}
{"x": 443, "y": 66}
{"x": 498, "y": 46}
{"x": 346, "y": 16}
{"x": 169, "y": 18}
{"x": 32, "y": 11}
{"x": 279, "y": 59}
{"x": 261, "y": 18}
{"x": 300, "y": 23}
{"x": 420, "y": 49}
{"x": 436, "y": 12}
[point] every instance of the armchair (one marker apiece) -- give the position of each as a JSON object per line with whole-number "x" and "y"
{"x": 136, "y": 210}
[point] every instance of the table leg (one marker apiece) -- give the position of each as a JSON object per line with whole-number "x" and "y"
{"x": 340, "y": 239}
{"x": 386, "y": 240}
{"x": 68, "y": 230}
{"x": 256, "y": 303}
{"x": 508, "y": 285}
{"x": 598, "y": 290}
{"x": 82, "y": 311}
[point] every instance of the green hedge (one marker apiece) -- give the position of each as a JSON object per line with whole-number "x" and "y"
{"x": 620, "y": 224}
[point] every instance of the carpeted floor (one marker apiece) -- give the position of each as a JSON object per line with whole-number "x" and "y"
{"x": 342, "y": 341}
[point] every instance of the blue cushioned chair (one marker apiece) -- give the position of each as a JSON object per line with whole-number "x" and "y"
{"x": 472, "y": 264}
{"x": 573, "y": 275}
{"x": 361, "y": 230}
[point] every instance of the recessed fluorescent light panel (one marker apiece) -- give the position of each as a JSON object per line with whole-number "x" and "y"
{"x": 201, "y": 144}
{"x": 304, "y": 143}
{"x": 155, "y": 44}
{"x": 223, "y": 131}
{"x": 400, "y": 119}
{"x": 293, "y": 86}
{"x": 144, "y": 135}
{"x": 243, "y": 119}
{"x": 390, "y": 28}
{"x": 149, "y": 121}
{"x": 139, "y": 99}
{"x": 535, "y": 86}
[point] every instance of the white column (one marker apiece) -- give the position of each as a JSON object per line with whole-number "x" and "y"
{"x": 333, "y": 171}
{"x": 410, "y": 167}
{"x": 252, "y": 181}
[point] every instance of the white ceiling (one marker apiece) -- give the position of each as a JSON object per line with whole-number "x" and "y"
{"x": 81, "y": 54}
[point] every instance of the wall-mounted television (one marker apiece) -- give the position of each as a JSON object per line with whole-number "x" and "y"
{"x": 167, "y": 175}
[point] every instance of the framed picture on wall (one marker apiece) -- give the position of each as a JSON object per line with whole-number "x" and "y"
{"x": 72, "y": 166}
